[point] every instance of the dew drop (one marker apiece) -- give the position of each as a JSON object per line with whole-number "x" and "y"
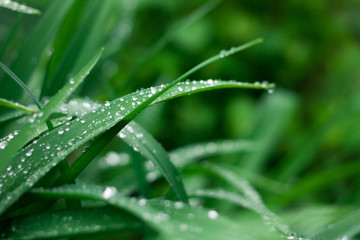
{"x": 109, "y": 192}
{"x": 212, "y": 214}
{"x": 60, "y": 131}
{"x": 3, "y": 144}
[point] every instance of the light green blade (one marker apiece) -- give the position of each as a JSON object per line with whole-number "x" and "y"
{"x": 142, "y": 141}
{"x": 17, "y": 7}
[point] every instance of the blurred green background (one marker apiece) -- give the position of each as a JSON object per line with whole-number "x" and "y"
{"x": 307, "y": 129}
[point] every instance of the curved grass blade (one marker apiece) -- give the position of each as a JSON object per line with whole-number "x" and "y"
{"x": 185, "y": 155}
{"x": 41, "y": 156}
{"x": 71, "y": 223}
{"x": 188, "y": 87}
{"x": 33, "y": 48}
{"x": 180, "y": 89}
{"x": 29, "y": 131}
{"x": 17, "y": 7}
{"x": 142, "y": 141}
{"x": 10, "y": 104}
{"x": 21, "y": 83}
{"x": 170, "y": 219}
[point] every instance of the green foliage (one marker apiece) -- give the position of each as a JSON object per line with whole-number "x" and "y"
{"x": 121, "y": 147}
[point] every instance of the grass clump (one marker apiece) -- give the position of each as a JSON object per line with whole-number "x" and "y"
{"x": 93, "y": 161}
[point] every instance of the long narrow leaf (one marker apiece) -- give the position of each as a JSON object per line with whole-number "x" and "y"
{"x": 21, "y": 83}
{"x": 17, "y": 7}
{"x": 142, "y": 141}
{"x": 10, "y": 104}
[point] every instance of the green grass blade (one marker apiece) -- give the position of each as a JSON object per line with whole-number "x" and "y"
{"x": 170, "y": 219}
{"x": 169, "y": 36}
{"x": 142, "y": 141}
{"x": 188, "y": 154}
{"x": 14, "y": 105}
{"x": 183, "y": 156}
{"x": 32, "y": 50}
{"x": 30, "y": 130}
{"x": 74, "y": 223}
{"x": 181, "y": 89}
{"x": 189, "y": 87}
{"x": 221, "y": 55}
{"x": 87, "y": 38}
{"x": 17, "y": 7}
{"x": 21, "y": 84}
{"x": 137, "y": 163}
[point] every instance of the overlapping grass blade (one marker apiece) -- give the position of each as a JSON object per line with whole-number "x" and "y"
{"x": 33, "y": 48}
{"x": 170, "y": 219}
{"x": 142, "y": 141}
{"x": 183, "y": 156}
{"x": 71, "y": 223}
{"x": 41, "y": 156}
{"x": 14, "y": 105}
{"x": 87, "y": 39}
{"x": 180, "y": 89}
{"x": 17, "y": 7}
{"x": 29, "y": 131}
